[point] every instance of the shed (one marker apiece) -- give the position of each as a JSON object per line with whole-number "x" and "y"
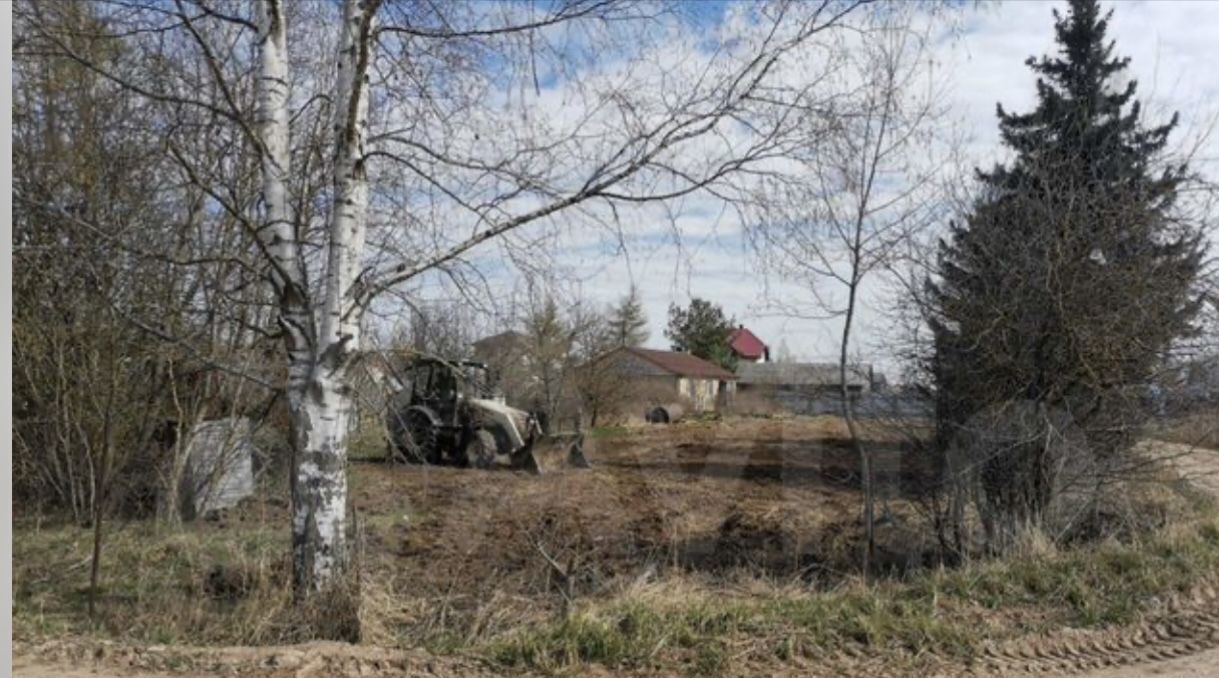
{"x": 659, "y": 374}
{"x": 219, "y": 470}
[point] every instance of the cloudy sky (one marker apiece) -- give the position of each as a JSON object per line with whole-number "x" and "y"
{"x": 979, "y": 54}
{"x": 1172, "y": 46}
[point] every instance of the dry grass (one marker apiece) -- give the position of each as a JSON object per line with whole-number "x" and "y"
{"x": 159, "y": 584}
{"x": 229, "y": 587}
{"x": 1200, "y": 429}
{"x": 683, "y": 561}
{"x": 169, "y": 585}
{"x": 694, "y": 622}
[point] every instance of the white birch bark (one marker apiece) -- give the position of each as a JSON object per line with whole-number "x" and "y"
{"x": 278, "y": 234}
{"x": 310, "y": 395}
{"x": 320, "y": 489}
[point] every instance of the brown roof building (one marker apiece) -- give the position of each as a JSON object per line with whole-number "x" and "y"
{"x": 681, "y": 364}
{"x": 666, "y": 376}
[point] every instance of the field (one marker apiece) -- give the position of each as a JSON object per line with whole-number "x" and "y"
{"x": 777, "y": 496}
{"x": 702, "y": 547}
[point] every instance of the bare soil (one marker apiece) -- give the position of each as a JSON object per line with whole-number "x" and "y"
{"x": 775, "y": 496}
{"x": 67, "y": 659}
{"x": 1201, "y": 665}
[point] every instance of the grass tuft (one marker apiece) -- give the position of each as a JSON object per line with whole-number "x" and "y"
{"x": 940, "y": 611}
{"x": 203, "y": 585}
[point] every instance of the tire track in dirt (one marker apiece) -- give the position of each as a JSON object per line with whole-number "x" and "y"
{"x": 1188, "y": 626}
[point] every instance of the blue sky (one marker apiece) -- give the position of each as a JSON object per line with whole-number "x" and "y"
{"x": 696, "y": 248}
{"x": 1172, "y": 50}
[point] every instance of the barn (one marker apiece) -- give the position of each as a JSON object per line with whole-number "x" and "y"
{"x": 659, "y": 375}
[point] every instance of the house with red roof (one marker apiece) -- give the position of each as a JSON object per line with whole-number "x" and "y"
{"x": 747, "y": 346}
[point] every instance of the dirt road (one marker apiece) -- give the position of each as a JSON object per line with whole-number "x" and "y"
{"x": 32, "y": 668}
{"x": 67, "y": 659}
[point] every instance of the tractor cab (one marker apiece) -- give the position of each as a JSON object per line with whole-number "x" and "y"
{"x": 452, "y": 411}
{"x": 441, "y": 385}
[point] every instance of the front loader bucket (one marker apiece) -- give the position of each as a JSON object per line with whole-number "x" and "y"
{"x": 551, "y": 452}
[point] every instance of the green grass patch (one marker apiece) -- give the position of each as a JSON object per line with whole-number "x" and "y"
{"x": 1095, "y": 586}
{"x": 367, "y": 442}
{"x": 605, "y": 432}
{"x": 154, "y": 582}
{"x": 937, "y": 611}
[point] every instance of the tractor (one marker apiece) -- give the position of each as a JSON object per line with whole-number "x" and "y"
{"x": 449, "y": 412}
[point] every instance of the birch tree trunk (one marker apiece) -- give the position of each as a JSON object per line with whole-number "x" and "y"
{"x": 279, "y": 233}
{"x": 324, "y": 403}
{"x": 314, "y": 399}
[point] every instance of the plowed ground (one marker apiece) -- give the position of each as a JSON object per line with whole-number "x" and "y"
{"x": 775, "y": 495}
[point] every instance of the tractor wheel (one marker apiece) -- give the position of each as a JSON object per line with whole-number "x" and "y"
{"x": 415, "y": 442}
{"x": 480, "y": 450}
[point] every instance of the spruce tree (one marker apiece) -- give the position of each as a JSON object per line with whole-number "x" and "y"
{"x": 628, "y": 324}
{"x": 548, "y": 344}
{"x": 1071, "y": 275}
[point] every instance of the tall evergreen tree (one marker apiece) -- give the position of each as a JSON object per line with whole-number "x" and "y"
{"x": 702, "y": 330}
{"x": 1071, "y": 275}
{"x": 628, "y": 323}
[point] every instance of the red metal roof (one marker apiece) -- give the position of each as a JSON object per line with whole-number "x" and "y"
{"x": 746, "y": 344}
{"x": 682, "y": 364}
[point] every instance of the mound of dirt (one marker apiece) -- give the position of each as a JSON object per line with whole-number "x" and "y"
{"x": 742, "y": 536}
{"x": 751, "y": 540}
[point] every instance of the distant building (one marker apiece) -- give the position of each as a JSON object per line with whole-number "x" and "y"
{"x": 657, "y": 376}
{"x": 507, "y": 356}
{"x": 510, "y": 344}
{"x": 809, "y": 378}
{"x": 747, "y": 347}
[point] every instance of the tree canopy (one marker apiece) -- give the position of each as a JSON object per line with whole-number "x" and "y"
{"x": 702, "y": 329}
{"x": 1071, "y": 275}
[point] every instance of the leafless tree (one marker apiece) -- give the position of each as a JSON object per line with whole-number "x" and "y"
{"x": 444, "y": 127}
{"x": 99, "y": 398}
{"x": 868, "y": 187}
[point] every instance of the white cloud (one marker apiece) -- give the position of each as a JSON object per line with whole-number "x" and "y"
{"x": 1171, "y": 45}
{"x": 695, "y": 247}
